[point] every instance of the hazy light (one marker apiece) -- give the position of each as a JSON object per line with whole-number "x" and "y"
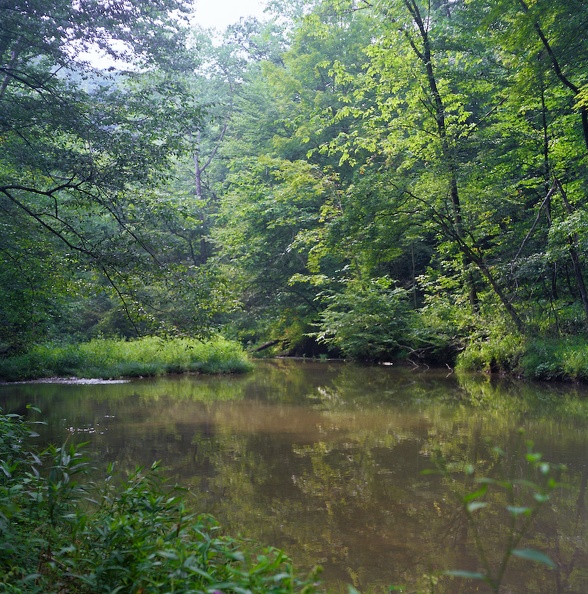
{"x": 220, "y": 13}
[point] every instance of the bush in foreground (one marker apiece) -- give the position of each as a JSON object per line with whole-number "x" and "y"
{"x": 59, "y": 533}
{"x": 110, "y": 358}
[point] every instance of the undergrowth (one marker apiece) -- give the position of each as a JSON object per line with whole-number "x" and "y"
{"x": 61, "y": 533}
{"x": 111, "y": 358}
{"x": 563, "y": 359}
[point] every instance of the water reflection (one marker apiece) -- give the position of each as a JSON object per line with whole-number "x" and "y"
{"x": 325, "y": 460}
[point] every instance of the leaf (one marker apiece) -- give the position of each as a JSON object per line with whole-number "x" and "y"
{"x": 469, "y": 575}
{"x": 518, "y": 510}
{"x": 202, "y": 574}
{"x": 475, "y": 505}
{"x": 534, "y": 555}
{"x": 31, "y": 577}
{"x": 428, "y": 471}
{"x": 540, "y": 497}
{"x": 479, "y": 493}
{"x": 544, "y": 468}
{"x": 484, "y": 480}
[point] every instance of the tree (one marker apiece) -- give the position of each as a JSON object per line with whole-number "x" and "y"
{"x": 280, "y": 181}
{"x": 83, "y": 151}
{"x": 546, "y": 56}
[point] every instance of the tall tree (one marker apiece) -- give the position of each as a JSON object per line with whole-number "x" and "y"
{"x": 541, "y": 46}
{"x": 81, "y": 147}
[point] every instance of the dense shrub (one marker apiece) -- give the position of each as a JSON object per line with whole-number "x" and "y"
{"x": 369, "y": 321}
{"x": 563, "y": 358}
{"x": 502, "y": 353}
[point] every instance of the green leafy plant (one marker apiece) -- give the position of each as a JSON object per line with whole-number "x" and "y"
{"x": 369, "y": 321}
{"x": 517, "y": 500}
{"x": 497, "y": 353}
{"x": 61, "y": 533}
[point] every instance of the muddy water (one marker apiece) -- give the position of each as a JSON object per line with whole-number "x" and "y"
{"x": 326, "y": 461}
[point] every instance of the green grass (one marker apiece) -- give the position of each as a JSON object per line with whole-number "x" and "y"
{"x": 110, "y": 358}
{"x": 563, "y": 359}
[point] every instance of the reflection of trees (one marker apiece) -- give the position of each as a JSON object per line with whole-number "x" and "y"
{"x": 325, "y": 461}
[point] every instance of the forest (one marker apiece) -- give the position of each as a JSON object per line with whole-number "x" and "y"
{"x": 367, "y": 179}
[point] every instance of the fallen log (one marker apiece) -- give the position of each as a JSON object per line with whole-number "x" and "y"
{"x": 267, "y": 345}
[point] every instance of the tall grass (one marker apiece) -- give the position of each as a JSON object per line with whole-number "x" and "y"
{"x": 533, "y": 358}
{"x": 111, "y": 358}
{"x": 565, "y": 359}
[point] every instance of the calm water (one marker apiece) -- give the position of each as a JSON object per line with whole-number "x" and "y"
{"x": 325, "y": 460}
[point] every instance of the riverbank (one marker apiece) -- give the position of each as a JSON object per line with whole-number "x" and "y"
{"x": 561, "y": 359}
{"x": 111, "y": 359}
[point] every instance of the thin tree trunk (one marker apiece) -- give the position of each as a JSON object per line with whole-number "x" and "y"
{"x": 574, "y": 255}
{"x": 198, "y": 169}
{"x": 7, "y": 75}
{"x": 558, "y": 71}
{"x": 547, "y": 178}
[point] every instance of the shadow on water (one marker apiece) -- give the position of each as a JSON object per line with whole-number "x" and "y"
{"x": 325, "y": 460}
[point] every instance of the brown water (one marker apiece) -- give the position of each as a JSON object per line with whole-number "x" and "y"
{"x": 325, "y": 460}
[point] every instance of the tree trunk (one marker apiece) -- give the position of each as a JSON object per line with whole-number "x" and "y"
{"x": 198, "y": 169}
{"x": 574, "y": 255}
{"x": 425, "y": 56}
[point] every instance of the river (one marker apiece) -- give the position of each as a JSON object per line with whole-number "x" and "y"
{"x": 336, "y": 464}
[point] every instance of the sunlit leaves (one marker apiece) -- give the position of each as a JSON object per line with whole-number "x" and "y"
{"x": 368, "y": 321}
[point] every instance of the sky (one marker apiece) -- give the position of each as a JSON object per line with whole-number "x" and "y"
{"x": 208, "y": 13}
{"x": 220, "y": 13}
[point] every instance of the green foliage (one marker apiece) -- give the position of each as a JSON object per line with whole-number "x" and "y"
{"x": 449, "y": 143}
{"x": 110, "y": 358}
{"x": 270, "y": 203}
{"x": 334, "y": 145}
{"x": 58, "y": 534}
{"x": 497, "y": 353}
{"x": 445, "y": 320}
{"x": 513, "y": 500}
{"x": 368, "y": 321}
{"x": 533, "y": 358}
{"x": 87, "y": 159}
{"x": 556, "y": 359}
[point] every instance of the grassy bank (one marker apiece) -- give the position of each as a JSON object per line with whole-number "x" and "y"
{"x": 109, "y": 358}
{"x": 61, "y": 533}
{"x": 563, "y": 359}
